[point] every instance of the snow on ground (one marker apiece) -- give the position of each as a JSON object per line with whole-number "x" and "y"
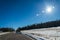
{"x": 2, "y": 33}
{"x": 45, "y": 33}
{"x": 35, "y": 37}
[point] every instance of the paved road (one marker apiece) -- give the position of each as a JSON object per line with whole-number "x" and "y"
{"x": 14, "y": 36}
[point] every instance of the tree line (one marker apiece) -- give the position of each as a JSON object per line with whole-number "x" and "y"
{"x": 6, "y": 29}
{"x": 33, "y": 26}
{"x": 41, "y": 25}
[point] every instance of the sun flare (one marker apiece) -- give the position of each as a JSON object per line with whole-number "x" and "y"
{"x": 49, "y": 9}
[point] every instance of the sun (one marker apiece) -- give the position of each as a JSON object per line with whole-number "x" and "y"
{"x": 49, "y": 9}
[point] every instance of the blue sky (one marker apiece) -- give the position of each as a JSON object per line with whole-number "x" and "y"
{"x": 19, "y": 13}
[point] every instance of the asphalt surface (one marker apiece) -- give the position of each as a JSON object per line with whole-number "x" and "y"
{"x": 14, "y": 36}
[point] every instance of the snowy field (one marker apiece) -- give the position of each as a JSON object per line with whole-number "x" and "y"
{"x": 44, "y": 34}
{"x": 2, "y": 33}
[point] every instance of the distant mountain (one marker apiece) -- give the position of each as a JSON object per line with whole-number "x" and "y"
{"x": 41, "y": 25}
